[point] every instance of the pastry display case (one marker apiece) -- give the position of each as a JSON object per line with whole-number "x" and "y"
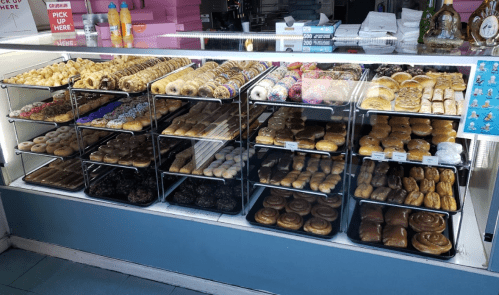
{"x": 359, "y": 152}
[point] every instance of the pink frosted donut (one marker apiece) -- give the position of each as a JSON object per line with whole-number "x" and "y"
{"x": 295, "y": 92}
{"x": 295, "y": 65}
{"x": 308, "y": 66}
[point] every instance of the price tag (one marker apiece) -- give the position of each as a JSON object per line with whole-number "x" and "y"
{"x": 400, "y": 157}
{"x": 291, "y": 145}
{"x": 430, "y": 160}
{"x": 378, "y": 156}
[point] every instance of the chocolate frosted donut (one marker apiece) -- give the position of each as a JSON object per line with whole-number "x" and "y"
{"x": 427, "y": 221}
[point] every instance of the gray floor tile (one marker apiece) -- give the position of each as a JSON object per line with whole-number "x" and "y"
{"x": 15, "y": 262}
{"x": 44, "y": 273}
{"x": 5, "y": 290}
{"x": 64, "y": 277}
{"x": 135, "y": 285}
{"x": 182, "y": 291}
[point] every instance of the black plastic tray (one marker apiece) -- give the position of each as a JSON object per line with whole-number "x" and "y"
{"x": 236, "y": 210}
{"x": 353, "y": 234}
{"x": 259, "y": 205}
{"x": 407, "y": 167}
{"x": 82, "y": 186}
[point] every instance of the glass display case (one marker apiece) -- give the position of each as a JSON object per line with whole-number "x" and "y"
{"x": 293, "y": 145}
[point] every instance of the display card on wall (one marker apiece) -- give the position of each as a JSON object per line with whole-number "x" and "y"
{"x": 16, "y": 18}
{"x": 482, "y": 115}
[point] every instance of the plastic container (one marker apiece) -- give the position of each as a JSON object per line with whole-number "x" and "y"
{"x": 126, "y": 22}
{"x": 114, "y": 22}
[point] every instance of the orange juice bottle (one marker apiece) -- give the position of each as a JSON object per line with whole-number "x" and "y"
{"x": 113, "y": 18}
{"x": 126, "y": 21}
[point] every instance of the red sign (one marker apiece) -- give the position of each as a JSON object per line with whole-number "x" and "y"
{"x": 60, "y": 17}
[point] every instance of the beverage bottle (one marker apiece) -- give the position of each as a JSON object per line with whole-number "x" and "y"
{"x": 126, "y": 22}
{"x": 113, "y": 18}
{"x": 483, "y": 24}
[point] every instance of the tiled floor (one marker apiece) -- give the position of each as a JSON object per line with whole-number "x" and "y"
{"x": 23, "y": 272}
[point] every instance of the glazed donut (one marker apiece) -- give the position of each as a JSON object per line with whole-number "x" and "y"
{"x": 40, "y": 139}
{"x": 53, "y": 140}
{"x": 276, "y": 202}
{"x": 173, "y": 88}
{"x": 74, "y": 145}
{"x": 318, "y": 226}
{"x": 267, "y": 216}
{"x": 259, "y": 93}
{"x": 189, "y": 90}
{"x": 133, "y": 125}
{"x": 52, "y": 134}
{"x": 325, "y": 212}
{"x": 52, "y": 147}
{"x": 64, "y": 136}
{"x": 64, "y": 129}
{"x": 26, "y": 146}
{"x": 63, "y": 151}
{"x": 39, "y": 148}
{"x": 111, "y": 158}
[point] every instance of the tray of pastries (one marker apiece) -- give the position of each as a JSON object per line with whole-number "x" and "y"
{"x": 308, "y": 84}
{"x": 211, "y": 121}
{"x": 64, "y": 175}
{"x": 127, "y": 186}
{"x": 430, "y": 93}
{"x": 408, "y": 185}
{"x": 298, "y": 213}
{"x": 126, "y": 74}
{"x": 301, "y": 172}
{"x": 62, "y": 142}
{"x": 418, "y": 137}
{"x": 212, "y": 80}
{"x": 58, "y": 109}
{"x": 404, "y": 230}
{"x": 126, "y": 150}
{"x": 208, "y": 195}
{"x": 290, "y": 125}
{"x": 208, "y": 160}
{"x": 52, "y": 77}
{"x": 128, "y": 114}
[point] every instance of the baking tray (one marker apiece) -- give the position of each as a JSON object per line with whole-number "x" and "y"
{"x": 250, "y": 217}
{"x": 121, "y": 199}
{"x": 94, "y": 169}
{"x": 407, "y": 167}
{"x": 361, "y": 96}
{"x": 75, "y": 154}
{"x": 219, "y": 100}
{"x": 58, "y": 124}
{"x": 229, "y": 183}
{"x": 365, "y": 129}
{"x": 355, "y": 89}
{"x": 353, "y": 234}
{"x": 147, "y": 129}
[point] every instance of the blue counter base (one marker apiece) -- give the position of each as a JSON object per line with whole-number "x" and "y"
{"x": 228, "y": 255}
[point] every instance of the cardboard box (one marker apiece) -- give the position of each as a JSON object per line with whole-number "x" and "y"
{"x": 329, "y": 28}
{"x": 318, "y": 48}
{"x": 177, "y": 3}
{"x": 319, "y": 38}
{"x": 190, "y": 26}
{"x": 289, "y": 45}
{"x": 140, "y": 29}
{"x": 101, "y": 6}
{"x": 184, "y": 14}
{"x": 78, "y": 6}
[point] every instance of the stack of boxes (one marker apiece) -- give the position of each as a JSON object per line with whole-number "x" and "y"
{"x": 319, "y": 38}
{"x": 187, "y": 17}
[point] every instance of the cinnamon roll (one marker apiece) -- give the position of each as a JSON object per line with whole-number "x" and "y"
{"x": 325, "y": 212}
{"x": 290, "y": 220}
{"x": 299, "y": 206}
{"x": 267, "y": 216}
{"x": 318, "y": 226}
{"x": 275, "y": 202}
{"x": 431, "y": 242}
{"x": 332, "y": 201}
{"x": 427, "y": 221}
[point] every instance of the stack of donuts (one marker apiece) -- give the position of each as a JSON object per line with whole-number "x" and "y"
{"x": 213, "y": 80}
{"x": 61, "y": 142}
{"x": 54, "y": 75}
{"x": 128, "y": 114}
{"x": 262, "y": 89}
{"x": 126, "y": 150}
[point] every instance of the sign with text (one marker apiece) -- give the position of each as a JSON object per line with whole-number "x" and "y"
{"x": 16, "y": 18}
{"x": 60, "y": 17}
